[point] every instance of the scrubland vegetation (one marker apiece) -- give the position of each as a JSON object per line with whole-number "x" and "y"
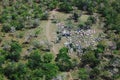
{"x": 60, "y": 40}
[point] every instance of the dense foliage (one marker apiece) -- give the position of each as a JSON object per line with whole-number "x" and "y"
{"x": 38, "y": 66}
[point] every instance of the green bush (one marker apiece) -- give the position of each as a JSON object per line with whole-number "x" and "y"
{"x": 65, "y": 7}
{"x": 63, "y": 60}
{"x": 14, "y": 53}
{"x": 6, "y": 28}
{"x": 83, "y": 74}
{"x": 90, "y": 58}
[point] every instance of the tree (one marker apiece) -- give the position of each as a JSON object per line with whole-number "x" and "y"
{"x": 52, "y": 4}
{"x": 62, "y": 54}
{"x": 2, "y": 59}
{"x": 15, "y": 51}
{"x": 15, "y": 47}
{"x": 94, "y": 73}
{"x": 90, "y": 58}
{"x": 65, "y": 7}
{"x": 37, "y": 74}
{"x": 81, "y": 4}
{"x": 75, "y": 16}
{"x": 106, "y": 75}
{"x": 63, "y": 50}
{"x": 34, "y": 60}
{"x": 115, "y": 5}
{"x": 19, "y": 26}
{"x": 116, "y": 77}
{"x": 63, "y": 60}
{"x": 81, "y": 25}
{"x": 47, "y": 58}
{"x": 118, "y": 45}
{"x": 50, "y": 70}
{"x": 15, "y": 71}
{"x": 42, "y": 66}
{"x": 92, "y": 19}
{"x": 6, "y": 28}
{"x": 64, "y": 65}
{"x": 44, "y": 15}
{"x": 22, "y": 71}
{"x": 9, "y": 71}
{"x": 100, "y": 47}
{"x": 2, "y": 77}
{"x": 83, "y": 74}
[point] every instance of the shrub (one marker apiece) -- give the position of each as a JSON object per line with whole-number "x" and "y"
{"x": 90, "y": 58}
{"x": 83, "y": 75}
{"x": 65, "y": 7}
{"x": 6, "y": 28}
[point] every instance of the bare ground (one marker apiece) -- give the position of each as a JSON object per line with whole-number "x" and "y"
{"x": 49, "y": 34}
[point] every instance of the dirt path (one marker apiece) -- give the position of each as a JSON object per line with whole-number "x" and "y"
{"x": 48, "y": 34}
{"x": 49, "y": 38}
